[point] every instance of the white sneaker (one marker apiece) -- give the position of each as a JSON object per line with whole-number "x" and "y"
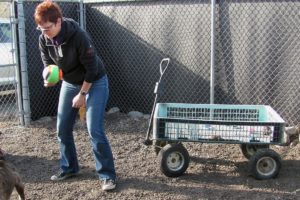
{"x": 108, "y": 184}
{"x": 62, "y": 176}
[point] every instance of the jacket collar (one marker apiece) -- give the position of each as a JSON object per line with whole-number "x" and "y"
{"x": 59, "y": 39}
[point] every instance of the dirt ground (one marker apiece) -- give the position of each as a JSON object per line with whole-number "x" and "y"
{"x": 216, "y": 171}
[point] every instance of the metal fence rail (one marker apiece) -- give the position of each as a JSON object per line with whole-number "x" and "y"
{"x": 255, "y": 56}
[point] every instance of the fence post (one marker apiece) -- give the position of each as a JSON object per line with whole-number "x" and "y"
{"x": 23, "y": 63}
{"x": 212, "y": 52}
{"x": 14, "y": 21}
{"x": 82, "y": 14}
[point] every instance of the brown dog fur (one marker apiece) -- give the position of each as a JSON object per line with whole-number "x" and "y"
{"x": 1, "y": 152}
{"x": 9, "y": 179}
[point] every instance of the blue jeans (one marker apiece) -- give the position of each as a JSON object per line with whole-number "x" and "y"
{"x": 96, "y": 101}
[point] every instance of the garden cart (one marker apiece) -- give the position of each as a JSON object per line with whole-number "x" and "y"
{"x": 253, "y": 127}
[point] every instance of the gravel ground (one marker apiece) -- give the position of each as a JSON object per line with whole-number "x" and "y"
{"x": 216, "y": 171}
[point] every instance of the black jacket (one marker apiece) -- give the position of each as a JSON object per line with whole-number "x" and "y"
{"x": 75, "y": 54}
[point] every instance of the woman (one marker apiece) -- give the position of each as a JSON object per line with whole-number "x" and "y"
{"x": 85, "y": 83}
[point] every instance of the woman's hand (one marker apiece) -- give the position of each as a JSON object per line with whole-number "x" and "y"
{"x": 46, "y": 84}
{"x": 78, "y": 101}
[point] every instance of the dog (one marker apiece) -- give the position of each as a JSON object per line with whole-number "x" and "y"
{"x": 292, "y": 134}
{"x": 10, "y": 179}
{"x": 2, "y": 153}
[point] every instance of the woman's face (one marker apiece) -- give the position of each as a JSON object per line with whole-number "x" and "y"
{"x": 50, "y": 29}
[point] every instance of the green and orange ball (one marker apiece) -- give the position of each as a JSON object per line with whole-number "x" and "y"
{"x": 52, "y": 74}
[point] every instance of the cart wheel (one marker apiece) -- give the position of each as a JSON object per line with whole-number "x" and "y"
{"x": 249, "y": 149}
{"x": 265, "y": 164}
{"x": 158, "y": 145}
{"x": 174, "y": 160}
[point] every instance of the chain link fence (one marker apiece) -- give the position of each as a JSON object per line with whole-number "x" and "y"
{"x": 256, "y": 53}
{"x": 256, "y": 48}
{"x": 135, "y": 36}
{"x": 8, "y": 80}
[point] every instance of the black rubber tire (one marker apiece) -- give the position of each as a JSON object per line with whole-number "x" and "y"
{"x": 174, "y": 159}
{"x": 158, "y": 145}
{"x": 249, "y": 149}
{"x": 265, "y": 164}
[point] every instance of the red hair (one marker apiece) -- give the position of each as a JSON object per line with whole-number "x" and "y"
{"x": 47, "y": 11}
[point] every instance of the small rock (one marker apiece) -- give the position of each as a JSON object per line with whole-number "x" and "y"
{"x": 45, "y": 120}
{"x": 146, "y": 116}
{"x": 135, "y": 114}
{"x": 113, "y": 110}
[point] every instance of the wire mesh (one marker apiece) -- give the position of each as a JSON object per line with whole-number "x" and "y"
{"x": 8, "y": 98}
{"x": 257, "y": 55}
{"x": 135, "y": 36}
{"x": 218, "y": 114}
{"x": 257, "y": 43}
{"x": 173, "y": 131}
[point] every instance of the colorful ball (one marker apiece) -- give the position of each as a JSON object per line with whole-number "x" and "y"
{"x": 52, "y": 74}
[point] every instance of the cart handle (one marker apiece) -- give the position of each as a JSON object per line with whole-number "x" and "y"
{"x": 162, "y": 71}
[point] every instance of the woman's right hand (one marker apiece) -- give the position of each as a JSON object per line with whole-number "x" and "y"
{"x": 46, "y": 84}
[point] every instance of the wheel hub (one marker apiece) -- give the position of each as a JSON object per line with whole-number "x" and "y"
{"x": 175, "y": 161}
{"x": 266, "y": 166}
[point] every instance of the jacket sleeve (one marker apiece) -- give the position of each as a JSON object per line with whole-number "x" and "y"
{"x": 44, "y": 52}
{"x": 88, "y": 56}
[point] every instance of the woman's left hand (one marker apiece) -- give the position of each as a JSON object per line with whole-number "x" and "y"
{"x": 78, "y": 101}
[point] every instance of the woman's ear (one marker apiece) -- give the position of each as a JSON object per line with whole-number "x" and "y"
{"x": 59, "y": 21}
